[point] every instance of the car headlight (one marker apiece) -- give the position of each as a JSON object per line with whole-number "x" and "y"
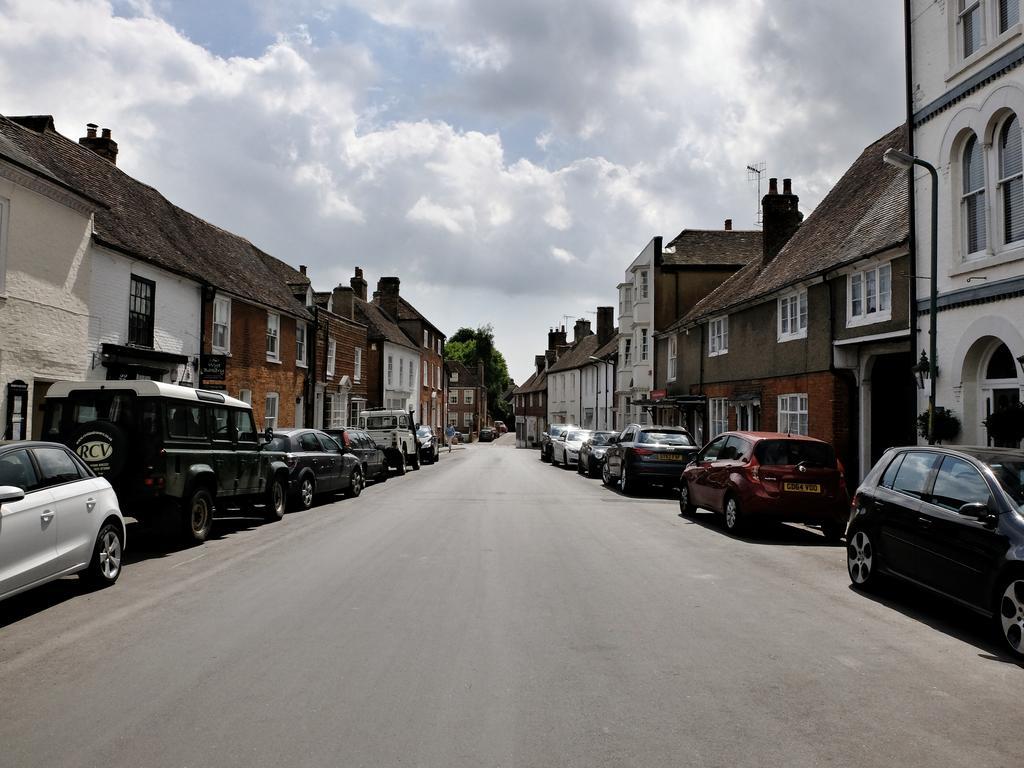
{"x": 598, "y": 454}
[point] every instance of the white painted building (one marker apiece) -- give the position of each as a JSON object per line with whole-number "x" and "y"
{"x": 635, "y": 376}
{"x": 581, "y": 381}
{"x": 400, "y": 377}
{"x": 967, "y": 102}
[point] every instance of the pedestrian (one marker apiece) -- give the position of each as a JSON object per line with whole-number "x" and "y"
{"x": 449, "y": 434}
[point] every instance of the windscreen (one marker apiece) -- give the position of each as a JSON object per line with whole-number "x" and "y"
{"x": 600, "y": 438}
{"x": 576, "y": 435}
{"x": 788, "y": 453}
{"x": 280, "y": 443}
{"x": 1009, "y": 471}
{"x": 423, "y": 432}
{"x": 83, "y": 407}
{"x": 666, "y": 438}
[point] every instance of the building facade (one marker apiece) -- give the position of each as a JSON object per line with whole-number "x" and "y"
{"x": 467, "y": 398}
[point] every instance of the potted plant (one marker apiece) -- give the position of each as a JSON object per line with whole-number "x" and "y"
{"x": 1006, "y": 425}
{"x": 947, "y": 425}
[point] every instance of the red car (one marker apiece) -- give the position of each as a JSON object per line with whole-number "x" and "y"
{"x": 747, "y": 476}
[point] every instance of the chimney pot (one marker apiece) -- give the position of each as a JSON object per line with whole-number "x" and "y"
{"x": 358, "y": 284}
{"x": 728, "y": 225}
{"x": 781, "y": 218}
{"x": 773, "y": 186}
{"x": 106, "y": 133}
{"x": 388, "y": 289}
{"x": 787, "y": 186}
{"x": 103, "y": 146}
{"x": 302, "y": 269}
{"x": 604, "y": 325}
{"x": 90, "y": 130}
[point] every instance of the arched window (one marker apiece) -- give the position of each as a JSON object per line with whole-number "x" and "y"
{"x": 972, "y": 203}
{"x": 1011, "y": 180}
{"x": 1001, "y": 365}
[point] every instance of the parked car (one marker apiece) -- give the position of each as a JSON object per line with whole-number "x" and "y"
{"x": 640, "y": 455}
{"x": 950, "y": 520}
{"x": 429, "y": 443}
{"x": 486, "y": 435}
{"x": 748, "y": 476}
{"x": 591, "y": 457}
{"x": 392, "y": 430}
{"x": 317, "y": 465}
{"x": 56, "y": 518}
{"x": 500, "y": 427}
{"x": 545, "y": 439}
{"x": 370, "y": 455}
{"x": 565, "y": 450}
{"x": 169, "y": 451}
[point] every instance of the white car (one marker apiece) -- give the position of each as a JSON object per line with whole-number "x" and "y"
{"x": 56, "y": 518}
{"x": 565, "y": 449}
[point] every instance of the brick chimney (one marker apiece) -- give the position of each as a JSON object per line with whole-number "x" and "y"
{"x": 780, "y": 216}
{"x": 728, "y": 225}
{"x": 386, "y": 295}
{"x": 302, "y": 269}
{"x": 581, "y": 330}
{"x": 359, "y": 284}
{"x": 480, "y": 373}
{"x": 104, "y": 146}
{"x": 342, "y": 303}
{"x": 556, "y": 338}
{"x": 550, "y": 357}
{"x": 538, "y": 362}
{"x": 605, "y": 325}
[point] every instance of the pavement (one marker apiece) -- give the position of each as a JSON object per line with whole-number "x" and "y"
{"x": 491, "y": 610}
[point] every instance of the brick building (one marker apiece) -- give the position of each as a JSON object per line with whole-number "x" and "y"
{"x": 339, "y": 372}
{"x": 467, "y": 397}
{"x": 529, "y": 400}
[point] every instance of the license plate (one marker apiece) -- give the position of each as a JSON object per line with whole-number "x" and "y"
{"x": 669, "y": 457}
{"x": 802, "y": 487}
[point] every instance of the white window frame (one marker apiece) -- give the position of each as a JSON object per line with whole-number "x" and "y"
{"x": 645, "y": 284}
{"x": 627, "y": 352}
{"x": 424, "y": 383}
{"x": 453, "y": 397}
{"x": 718, "y": 336}
{"x": 1002, "y": 181}
{"x": 391, "y": 370}
{"x": 467, "y": 397}
{"x": 426, "y": 339}
{"x": 273, "y": 337}
{"x": 357, "y": 372}
{"x": 645, "y": 347}
{"x": 245, "y": 395}
{"x": 332, "y": 353}
{"x": 863, "y": 278}
{"x": 222, "y": 303}
{"x": 792, "y": 316}
{"x": 978, "y": 196}
{"x": 401, "y": 371}
{"x": 963, "y": 9}
{"x": 673, "y": 358}
{"x": 467, "y": 419}
{"x": 794, "y": 405}
{"x": 270, "y": 414}
{"x": 718, "y": 412}
{"x": 300, "y": 343}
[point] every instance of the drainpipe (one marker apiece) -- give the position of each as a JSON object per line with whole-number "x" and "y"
{"x": 912, "y": 314}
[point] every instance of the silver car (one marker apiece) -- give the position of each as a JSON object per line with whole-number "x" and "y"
{"x": 565, "y": 449}
{"x": 56, "y": 518}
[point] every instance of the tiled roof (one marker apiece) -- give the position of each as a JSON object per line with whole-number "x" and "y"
{"x": 380, "y": 325}
{"x": 865, "y": 212}
{"x": 536, "y": 383}
{"x": 137, "y": 220}
{"x": 407, "y": 311}
{"x": 467, "y": 377}
{"x": 611, "y": 347}
{"x": 712, "y": 247}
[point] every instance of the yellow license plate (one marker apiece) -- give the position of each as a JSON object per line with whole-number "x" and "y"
{"x": 802, "y": 487}
{"x": 669, "y": 457}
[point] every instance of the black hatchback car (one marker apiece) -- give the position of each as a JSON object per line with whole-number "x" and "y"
{"x": 371, "y": 456}
{"x": 950, "y": 520}
{"x": 317, "y": 464}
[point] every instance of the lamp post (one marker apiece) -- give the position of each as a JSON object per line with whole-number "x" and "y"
{"x": 898, "y": 159}
{"x": 596, "y": 362}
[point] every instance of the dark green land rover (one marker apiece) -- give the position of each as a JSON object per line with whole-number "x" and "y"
{"x": 169, "y": 450}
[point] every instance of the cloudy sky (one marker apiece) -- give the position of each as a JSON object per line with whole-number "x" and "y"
{"x": 506, "y": 159}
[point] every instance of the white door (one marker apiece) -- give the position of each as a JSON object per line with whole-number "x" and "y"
{"x": 74, "y": 498}
{"x": 28, "y": 528}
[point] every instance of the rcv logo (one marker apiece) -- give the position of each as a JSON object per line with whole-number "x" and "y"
{"x": 95, "y": 451}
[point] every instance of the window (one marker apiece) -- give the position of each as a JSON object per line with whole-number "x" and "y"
{"x": 958, "y": 483}
{"x": 437, "y": 377}
{"x": 270, "y": 411}
{"x": 467, "y": 419}
{"x": 426, "y": 338}
{"x": 793, "y": 414}
{"x": 185, "y": 421}
{"x": 672, "y": 358}
{"x": 300, "y": 343}
{"x": 1009, "y": 14}
{"x": 644, "y": 288}
{"x": 972, "y": 202}
{"x": 453, "y": 419}
{"x": 56, "y": 466}
{"x": 391, "y": 368}
{"x": 222, "y": 325}
{"x": 912, "y": 476}
{"x": 357, "y": 373}
{"x": 245, "y": 427}
{"x": 453, "y": 397}
{"x": 719, "y": 410}
{"x": 718, "y": 336}
{"x": 353, "y": 411}
{"x": 870, "y": 293}
{"x": 424, "y": 383}
{"x": 643, "y": 345}
{"x": 1011, "y": 183}
{"x": 793, "y": 316}
{"x": 140, "y": 312}
{"x": 332, "y": 353}
{"x": 627, "y": 352}
{"x": 401, "y": 371}
{"x": 16, "y": 469}
{"x": 273, "y": 336}
{"x": 467, "y": 396}
{"x": 335, "y": 411}
{"x": 220, "y": 423}
{"x": 245, "y": 395}
{"x": 970, "y": 26}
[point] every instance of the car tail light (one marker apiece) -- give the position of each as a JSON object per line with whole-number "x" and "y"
{"x": 855, "y": 501}
{"x": 154, "y": 482}
{"x": 755, "y": 470}
{"x": 643, "y": 451}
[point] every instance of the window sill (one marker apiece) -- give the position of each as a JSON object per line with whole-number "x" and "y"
{"x": 219, "y": 351}
{"x": 1005, "y": 256}
{"x": 275, "y": 362}
{"x": 980, "y": 55}
{"x": 300, "y": 365}
{"x": 718, "y": 353}
{"x": 878, "y": 317}
{"x": 783, "y": 338}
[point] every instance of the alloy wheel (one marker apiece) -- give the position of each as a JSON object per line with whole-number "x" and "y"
{"x": 110, "y": 555}
{"x": 306, "y": 493}
{"x": 860, "y": 558}
{"x": 732, "y": 514}
{"x": 200, "y": 514}
{"x": 1011, "y": 615}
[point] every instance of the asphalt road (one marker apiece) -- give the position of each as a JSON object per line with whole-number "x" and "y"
{"x": 494, "y": 611}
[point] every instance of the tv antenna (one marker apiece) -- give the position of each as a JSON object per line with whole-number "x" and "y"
{"x": 754, "y": 173}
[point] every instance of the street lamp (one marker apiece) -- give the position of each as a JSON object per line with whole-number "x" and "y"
{"x": 597, "y": 370}
{"x": 904, "y": 161}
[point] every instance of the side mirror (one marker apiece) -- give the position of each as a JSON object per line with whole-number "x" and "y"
{"x": 268, "y": 434}
{"x": 977, "y": 510}
{"x": 11, "y": 493}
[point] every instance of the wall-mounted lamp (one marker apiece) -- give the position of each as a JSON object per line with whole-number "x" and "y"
{"x": 923, "y": 369}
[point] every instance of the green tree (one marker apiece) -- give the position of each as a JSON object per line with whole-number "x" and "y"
{"x": 469, "y": 347}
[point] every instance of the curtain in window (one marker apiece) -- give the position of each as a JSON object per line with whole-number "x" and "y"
{"x": 1009, "y": 14}
{"x": 974, "y": 197}
{"x": 970, "y": 21}
{"x": 1011, "y": 182}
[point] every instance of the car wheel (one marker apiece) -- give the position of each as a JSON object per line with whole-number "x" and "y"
{"x": 105, "y": 565}
{"x": 356, "y": 486}
{"x": 733, "y": 518}
{"x": 197, "y": 516}
{"x": 306, "y": 492}
{"x": 554, "y": 463}
{"x": 544, "y": 455}
{"x": 606, "y": 474}
{"x": 860, "y": 559}
{"x": 833, "y": 531}
{"x": 276, "y": 501}
{"x": 401, "y": 465}
{"x": 579, "y": 467}
{"x": 382, "y": 473}
{"x": 1009, "y": 614}
{"x": 685, "y": 507}
{"x": 416, "y": 460}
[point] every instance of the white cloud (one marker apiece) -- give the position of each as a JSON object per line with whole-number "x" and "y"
{"x": 562, "y": 255}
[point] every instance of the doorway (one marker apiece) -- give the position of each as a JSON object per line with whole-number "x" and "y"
{"x": 1000, "y": 388}
{"x": 893, "y": 404}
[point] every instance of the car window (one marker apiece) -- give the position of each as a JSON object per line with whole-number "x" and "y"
{"x": 712, "y": 449}
{"x": 890, "y": 472}
{"x": 666, "y": 438}
{"x": 958, "y": 483}
{"x": 788, "y": 453}
{"x": 280, "y": 443}
{"x": 56, "y": 466}
{"x": 245, "y": 426}
{"x": 912, "y": 476}
{"x": 380, "y": 422}
{"x": 308, "y": 442}
{"x": 220, "y": 424}
{"x": 737, "y": 449}
{"x": 600, "y": 438}
{"x": 185, "y": 421}
{"x": 328, "y": 444}
{"x": 401, "y": 421}
{"x": 16, "y": 469}
{"x": 1009, "y": 473}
